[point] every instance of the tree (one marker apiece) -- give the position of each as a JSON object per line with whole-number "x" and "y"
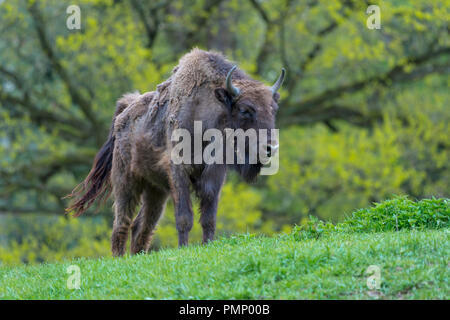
{"x": 58, "y": 86}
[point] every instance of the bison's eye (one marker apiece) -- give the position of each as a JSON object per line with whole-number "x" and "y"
{"x": 246, "y": 112}
{"x": 246, "y": 115}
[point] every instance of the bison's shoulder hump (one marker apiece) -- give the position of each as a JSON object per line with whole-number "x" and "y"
{"x": 133, "y": 106}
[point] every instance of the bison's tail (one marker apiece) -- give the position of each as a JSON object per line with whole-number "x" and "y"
{"x": 97, "y": 184}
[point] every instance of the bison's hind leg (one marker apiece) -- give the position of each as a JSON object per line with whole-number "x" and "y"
{"x": 126, "y": 196}
{"x": 153, "y": 203}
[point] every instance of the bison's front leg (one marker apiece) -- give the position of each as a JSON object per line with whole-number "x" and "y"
{"x": 184, "y": 215}
{"x": 208, "y": 217}
{"x": 208, "y": 190}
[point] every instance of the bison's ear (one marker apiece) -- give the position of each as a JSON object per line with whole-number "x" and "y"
{"x": 276, "y": 97}
{"x": 224, "y": 97}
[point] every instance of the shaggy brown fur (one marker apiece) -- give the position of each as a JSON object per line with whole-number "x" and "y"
{"x": 135, "y": 160}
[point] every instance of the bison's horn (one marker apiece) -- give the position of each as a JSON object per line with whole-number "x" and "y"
{"x": 279, "y": 82}
{"x": 232, "y": 89}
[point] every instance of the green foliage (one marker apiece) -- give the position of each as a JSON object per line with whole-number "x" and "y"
{"x": 37, "y": 239}
{"x": 401, "y": 213}
{"x": 56, "y": 101}
{"x": 396, "y": 214}
{"x": 313, "y": 228}
{"x": 328, "y": 174}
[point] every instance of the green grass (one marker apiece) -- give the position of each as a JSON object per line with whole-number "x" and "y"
{"x": 316, "y": 261}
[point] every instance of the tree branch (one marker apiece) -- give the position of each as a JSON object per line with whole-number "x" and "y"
{"x": 39, "y": 115}
{"x": 200, "y": 20}
{"x": 46, "y": 47}
{"x": 396, "y": 73}
{"x": 332, "y": 112}
{"x": 152, "y": 24}
{"x": 23, "y": 210}
{"x": 266, "y": 46}
{"x": 261, "y": 11}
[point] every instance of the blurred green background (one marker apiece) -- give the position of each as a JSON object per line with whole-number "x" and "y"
{"x": 364, "y": 113}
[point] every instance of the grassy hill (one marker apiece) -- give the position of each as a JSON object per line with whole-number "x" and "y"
{"x": 408, "y": 241}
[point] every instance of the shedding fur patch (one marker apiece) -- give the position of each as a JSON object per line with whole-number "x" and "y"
{"x": 137, "y": 106}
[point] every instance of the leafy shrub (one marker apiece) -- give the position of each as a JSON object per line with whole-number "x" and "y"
{"x": 396, "y": 214}
{"x": 313, "y": 228}
{"x": 401, "y": 213}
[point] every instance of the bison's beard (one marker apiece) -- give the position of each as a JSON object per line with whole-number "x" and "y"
{"x": 248, "y": 171}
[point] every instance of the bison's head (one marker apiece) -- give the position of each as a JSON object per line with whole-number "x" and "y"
{"x": 251, "y": 105}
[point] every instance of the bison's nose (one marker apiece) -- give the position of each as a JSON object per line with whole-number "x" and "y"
{"x": 271, "y": 149}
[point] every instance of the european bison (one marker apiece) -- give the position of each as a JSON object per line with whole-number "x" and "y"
{"x": 135, "y": 162}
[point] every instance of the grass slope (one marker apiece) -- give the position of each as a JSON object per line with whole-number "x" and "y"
{"x": 317, "y": 261}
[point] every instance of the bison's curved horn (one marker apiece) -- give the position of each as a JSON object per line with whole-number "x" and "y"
{"x": 232, "y": 89}
{"x": 277, "y": 85}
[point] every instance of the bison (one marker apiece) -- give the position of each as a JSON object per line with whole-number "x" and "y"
{"x": 135, "y": 161}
